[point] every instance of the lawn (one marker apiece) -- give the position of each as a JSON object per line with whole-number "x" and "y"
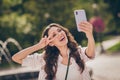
{"x": 115, "y": 48}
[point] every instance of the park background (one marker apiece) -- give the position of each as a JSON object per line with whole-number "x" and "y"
{"x": 24, "y": 21}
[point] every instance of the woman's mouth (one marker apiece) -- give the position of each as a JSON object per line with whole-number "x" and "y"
{"x": 62, "y": 38}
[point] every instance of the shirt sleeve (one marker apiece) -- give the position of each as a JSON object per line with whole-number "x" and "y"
{"x": 33, "y": 60}
{"x": 82, "y": 54}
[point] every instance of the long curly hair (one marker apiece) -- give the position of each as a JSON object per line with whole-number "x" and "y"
{"x": 52, "y": 53}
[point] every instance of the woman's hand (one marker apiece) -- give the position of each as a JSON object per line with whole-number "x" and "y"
{"x": 45, "y": 41}
{"x": 87, "y": 28}
{"x": 19, "y": 56}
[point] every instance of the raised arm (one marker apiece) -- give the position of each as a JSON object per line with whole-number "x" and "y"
{"x": 18, "y": 57}
{"x": 87, "y": 28}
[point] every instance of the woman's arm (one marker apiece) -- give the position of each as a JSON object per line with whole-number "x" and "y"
{"x": 90, "y": 51}
{"x": 18, "y": 57}
{"x": 87, "y": 28}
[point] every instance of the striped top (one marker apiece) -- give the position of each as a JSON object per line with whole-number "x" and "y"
{"x": 36, "y": 60}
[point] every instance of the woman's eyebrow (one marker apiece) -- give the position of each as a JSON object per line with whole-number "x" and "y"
{"x": 58, "y": 28}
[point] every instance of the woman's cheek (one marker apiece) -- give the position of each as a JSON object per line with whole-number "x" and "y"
{"x": 55, "y": 41}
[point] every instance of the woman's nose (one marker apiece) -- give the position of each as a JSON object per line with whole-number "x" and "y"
{"x": 59, "y": 33}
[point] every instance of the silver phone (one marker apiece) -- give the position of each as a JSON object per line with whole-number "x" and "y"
{"x": 80, "y": 16}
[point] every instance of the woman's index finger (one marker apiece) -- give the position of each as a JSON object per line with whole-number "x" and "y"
{"x": 50, "y": 37}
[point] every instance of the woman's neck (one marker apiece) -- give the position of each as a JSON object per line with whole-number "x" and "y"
{"x": 63, "y": 51}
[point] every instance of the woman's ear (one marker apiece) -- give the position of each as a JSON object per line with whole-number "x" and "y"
{"x": 51, "y": 44}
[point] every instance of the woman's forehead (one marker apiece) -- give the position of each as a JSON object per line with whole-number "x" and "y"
{"x": 52, "y": 30}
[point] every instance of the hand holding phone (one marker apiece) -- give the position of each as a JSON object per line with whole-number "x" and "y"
{"x": 80, "y": 16}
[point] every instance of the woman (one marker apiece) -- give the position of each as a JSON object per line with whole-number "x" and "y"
{"x": 59, "y": 47}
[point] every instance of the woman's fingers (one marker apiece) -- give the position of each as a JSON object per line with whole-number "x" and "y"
{"x": 54, "y": 38}
{"x": 50, "y": 39}
{"x": 85, "y": 26}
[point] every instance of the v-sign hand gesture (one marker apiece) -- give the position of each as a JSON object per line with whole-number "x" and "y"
{"x": 45, "y": 41}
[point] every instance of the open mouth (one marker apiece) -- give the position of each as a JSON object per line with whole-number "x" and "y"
{"x": 62, "y": 38}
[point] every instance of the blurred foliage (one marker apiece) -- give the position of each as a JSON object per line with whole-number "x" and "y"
{"x": 115, "y": 48}
{"x": 114, "y": 22}
{"x": 25, "y": 20}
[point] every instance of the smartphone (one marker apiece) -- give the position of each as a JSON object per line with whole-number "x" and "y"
{"x": 80, "y": 16}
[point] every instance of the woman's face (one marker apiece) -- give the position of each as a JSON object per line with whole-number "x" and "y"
{"x": 60, "y": 38}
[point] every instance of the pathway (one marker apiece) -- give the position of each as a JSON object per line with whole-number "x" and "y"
{"x": 106, "y": 67}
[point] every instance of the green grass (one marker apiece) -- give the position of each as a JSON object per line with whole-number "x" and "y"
{"x": 114, "y": 48}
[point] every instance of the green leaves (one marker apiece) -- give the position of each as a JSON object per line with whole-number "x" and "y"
{"x": 30, "y": 17}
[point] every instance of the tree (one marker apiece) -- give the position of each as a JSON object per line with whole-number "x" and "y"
{"x": 29, "y": 17}
{"x": 114, "y": 9}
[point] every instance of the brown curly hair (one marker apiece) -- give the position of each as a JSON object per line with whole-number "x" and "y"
{"x": 52, "y": 53}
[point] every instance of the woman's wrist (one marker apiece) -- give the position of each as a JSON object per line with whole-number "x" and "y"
{"x": 89, "y": 36}
{"x": 37, "y": 47}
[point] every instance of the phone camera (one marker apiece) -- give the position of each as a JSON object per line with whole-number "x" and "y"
{"x": 76, "y": 13}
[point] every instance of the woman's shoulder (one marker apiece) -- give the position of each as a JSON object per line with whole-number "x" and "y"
{"x": 81, "y": 48}
{"x": 40, "y": 55}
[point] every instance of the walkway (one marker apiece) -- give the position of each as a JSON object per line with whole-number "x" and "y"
{"x": 106, "y": 66}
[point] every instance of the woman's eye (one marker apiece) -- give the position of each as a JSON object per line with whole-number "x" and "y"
{"x": 54, "y": 35}
{"x": 59, "y": 30}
